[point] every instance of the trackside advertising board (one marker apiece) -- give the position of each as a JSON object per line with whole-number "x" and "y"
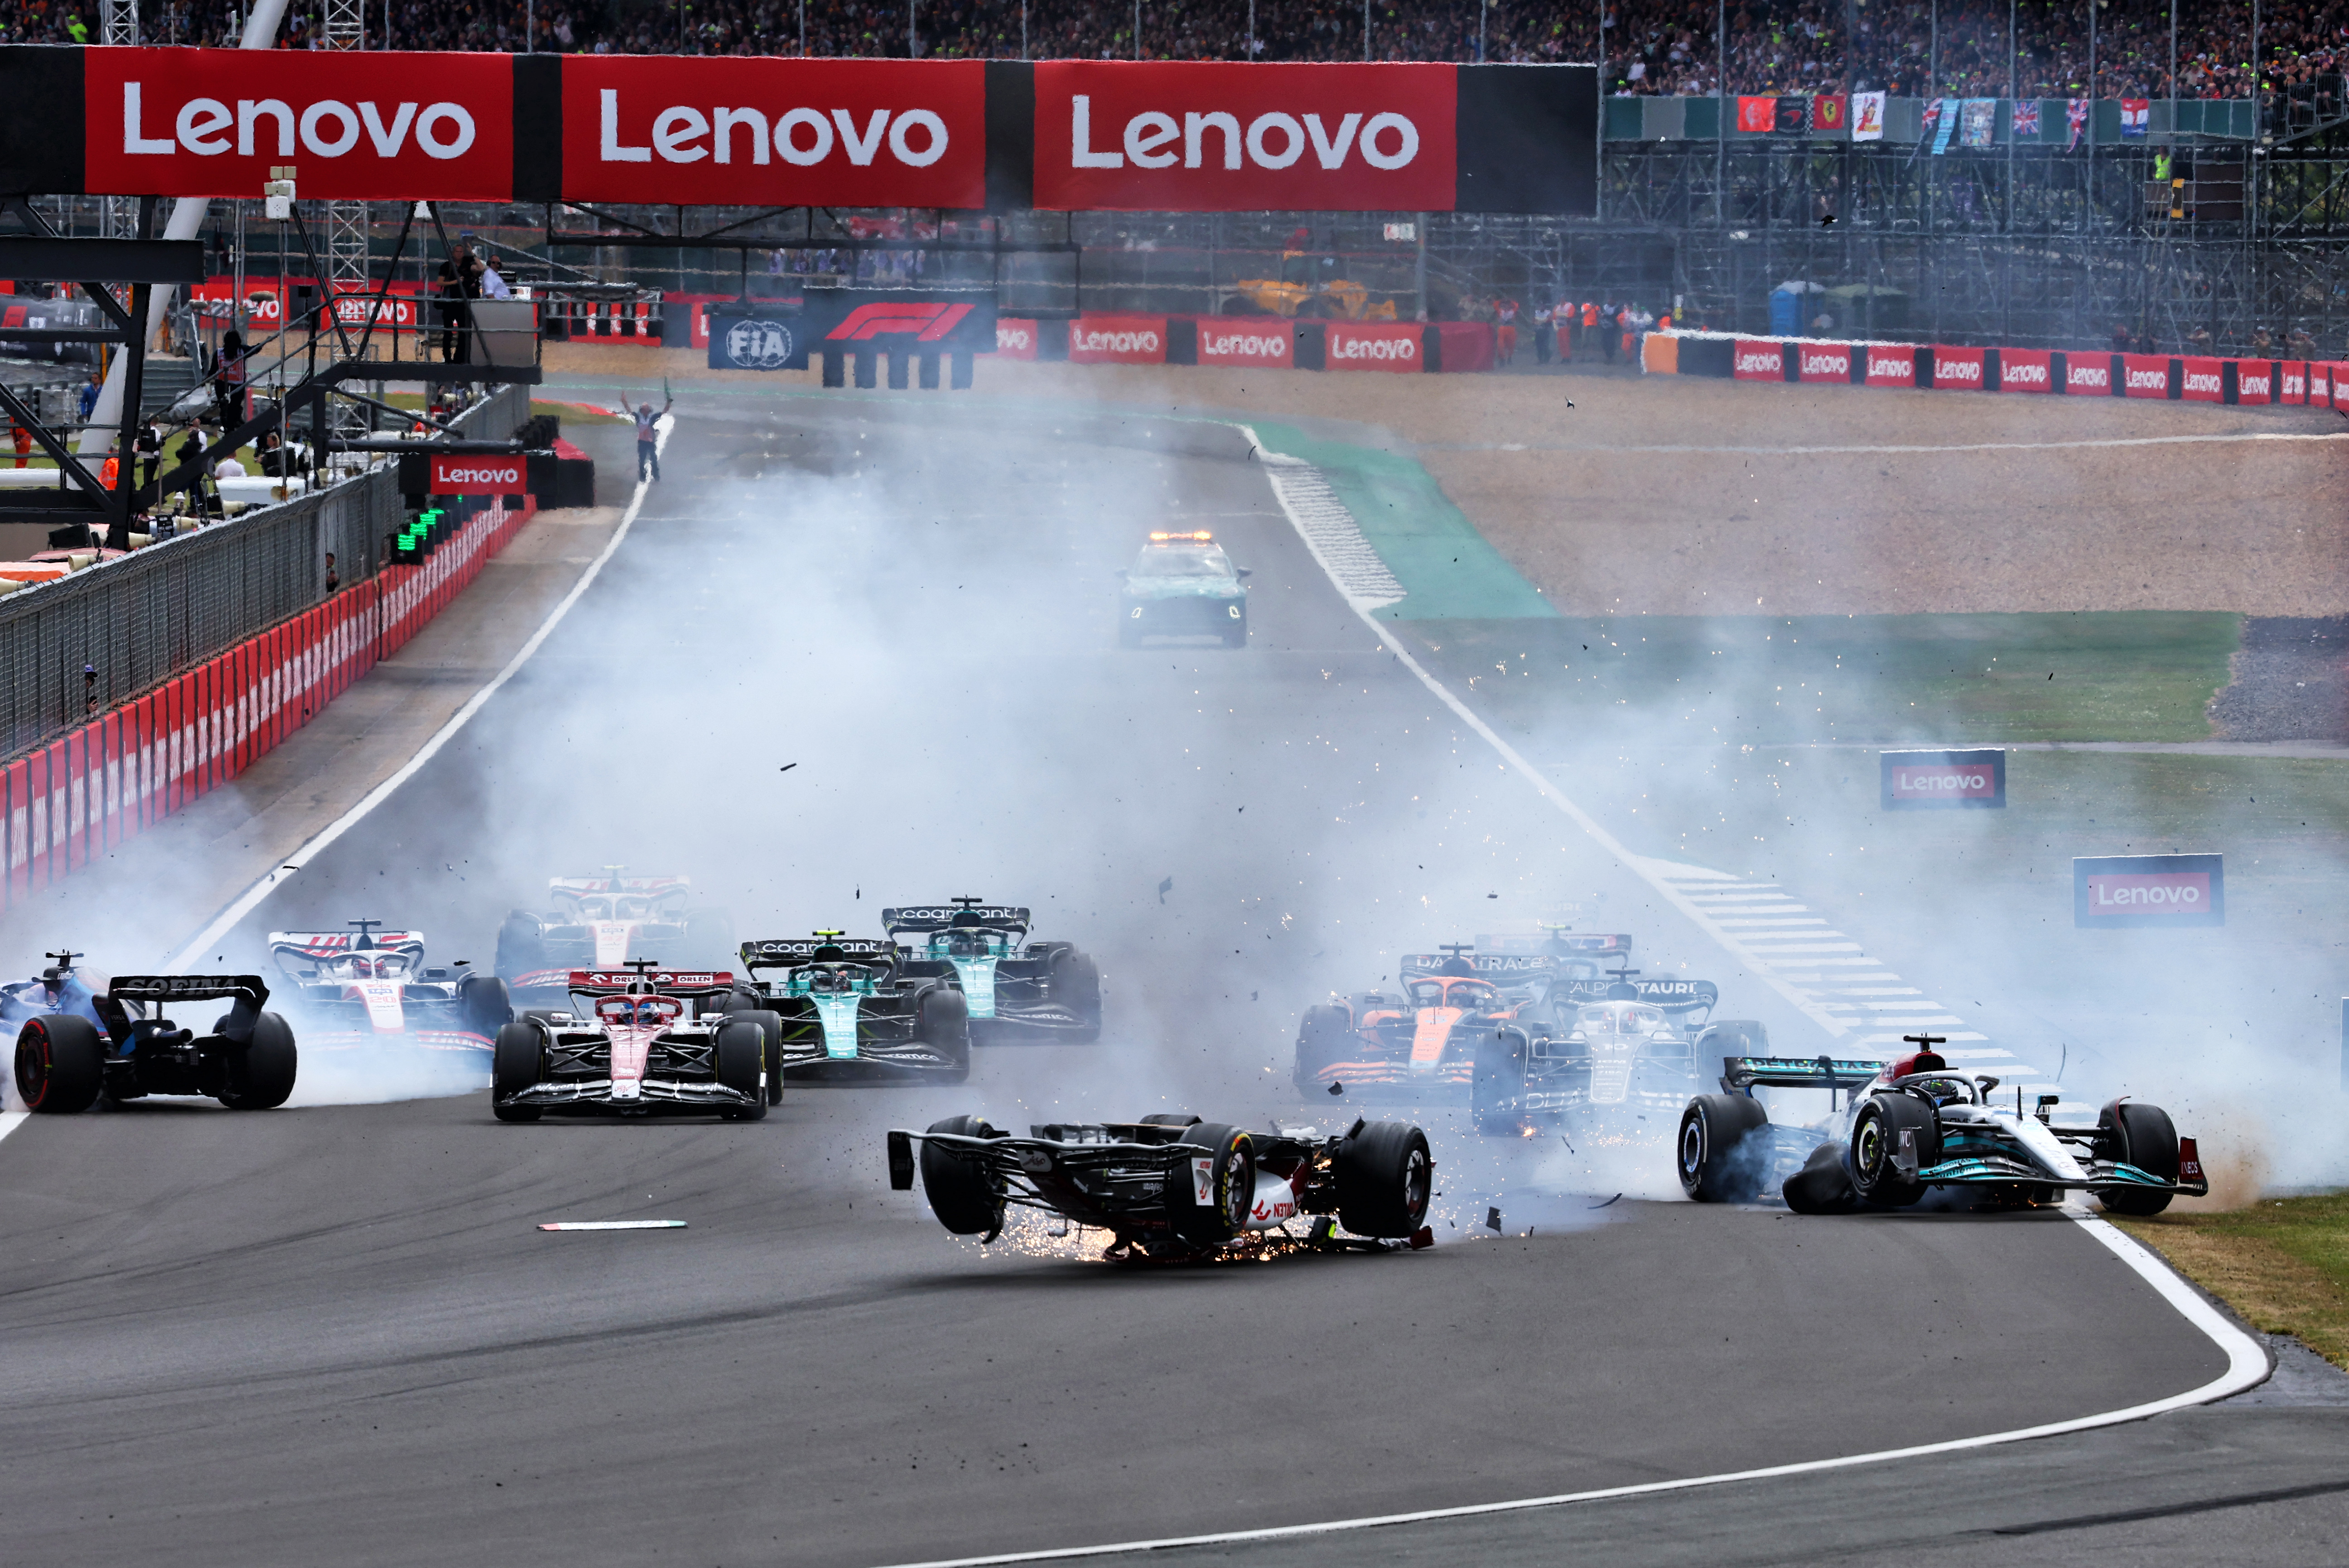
{"x": 2116, "y": 891}
{"x": 851, "y": 322}
{"x": 1199, "y": 136}
{"x": 474, "y": 475}
{"x": 1944, "y": 781}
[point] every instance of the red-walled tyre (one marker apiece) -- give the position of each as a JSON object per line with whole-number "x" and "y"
{"x": 60, "y": 1064}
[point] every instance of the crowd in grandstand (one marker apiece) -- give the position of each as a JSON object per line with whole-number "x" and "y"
{"x": 1909, "y": 47}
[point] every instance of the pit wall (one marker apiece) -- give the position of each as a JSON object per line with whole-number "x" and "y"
{"x": 1938, "y": 366}
{"x": 124, "y": 770}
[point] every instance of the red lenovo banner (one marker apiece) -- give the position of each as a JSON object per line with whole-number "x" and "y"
{"x": 1957, "y": 369}
{"x": 2026, "y": 370}
{"x": 774, "y": 132}
{"x": 462, "y": 476}
{"x": 2201, "y": 381}
{"x": 2254, "y": 381}
{"x": 212, "y": 122}
{"x": 2294, "y": 389}
{"x": 1014, "y": 339}
{"x": 1214, "y": 136}
{"x": 1354, "y": 346}
{"x": 1223, "y": 341}
{"x": 1891, "y": 367}
{"x": 1757, "y": 360}
{"x": 1823, "y": 361}
{"x": 2088, "y": 375}
{"x": 1117, "y": 340}
{"x": 2144, "y": 376}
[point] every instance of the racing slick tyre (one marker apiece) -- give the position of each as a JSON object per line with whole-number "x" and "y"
{"x": 1320, "y": 1036}
{"x": 771, "y": 1026}
{"x": 1876, "y": 1146}
{"x": 1721, "y": 1162}
{"x": 61, "y": 1064}
{"x": 741, "y": 1052}
{"x": 1385, "y": 1177}
{"x": 1234, "y": 629}
{"x": 1075, "y": 983}
{"x": 1207, "y": 1195}
{"x": 943, "y": 1025}
{"x": 1496, "y": 1082}
{"x": 521, "y": 947}
{"x": 1823, "y": 1186}
{"x": 515, "y": 1065}
{"x": 964, "y": 1197}
{"x": 2142, "y": 1135}
{"x": 261, "y": 1076}
{"x": 489, "y": 1006}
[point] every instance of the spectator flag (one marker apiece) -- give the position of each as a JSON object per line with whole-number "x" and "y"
{"x": 2025, "y": 126}
{"x": 1980, "y": 117}
{"x": 1759, "y": 114}
{"x": 1868, "y": 117}
{"x": 1827, "y": 112}
{"x": 2135, "y": 112}
{"x": 1944, "y": 109}
{"x": 2076, "y": 110}
{"x": 1794, "y": 116}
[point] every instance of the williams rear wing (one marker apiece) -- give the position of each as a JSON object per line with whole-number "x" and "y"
{"x": 1739, "y": 1074}
{"x": 248, "y": 992}
{"x": 927, "y": 917}
{"x": 801, "y": 951}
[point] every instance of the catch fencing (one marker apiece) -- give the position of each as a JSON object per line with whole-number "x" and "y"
{"x": 94, "y": 641}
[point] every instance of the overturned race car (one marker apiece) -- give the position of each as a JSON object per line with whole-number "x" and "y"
{"x": 642, "y": 1041}
{"x": 602, "y": 922}
{"x": 1015, "y": 988}
{"x": 849, "y": 1010}
{"x": 371, "y": 986}
{"x": 76, "y": 1040}
{"x": 1911, "y": 1126}
{"x": 1170, "y": 1188}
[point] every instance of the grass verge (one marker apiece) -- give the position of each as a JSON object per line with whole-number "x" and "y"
{"x": 2283, "y": 1264}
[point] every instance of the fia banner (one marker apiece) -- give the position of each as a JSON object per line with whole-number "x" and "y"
{"x": 1944, "y": 781}
{"x": 2118, "y": 891}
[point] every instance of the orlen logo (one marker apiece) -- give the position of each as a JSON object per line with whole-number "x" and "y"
{"x": 1761, "y": 361}
{"x": 2202, "y": 381}
{"x": 2157, "y": 893}
{"x": 803, "y": 137}
{"x": 270, "y": 127}
{"x": 1092, "y": 341}
{"x": 1942, "y": 783}
{"x": 1153, "y": 139}
{"x": 1394, "y": 348}
{"x": 929, "y": 320}
{"x": 1825, "y": 362}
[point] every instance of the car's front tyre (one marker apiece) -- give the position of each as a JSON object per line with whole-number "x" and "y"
{"x": 61, "y": 1064}
{"x": 516, "y": 1064}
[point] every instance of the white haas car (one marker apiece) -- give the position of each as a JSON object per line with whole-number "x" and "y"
{"x": 368, "y": 986}
{"x": 603, "y": 922}
{"x": 640, "y": 1041}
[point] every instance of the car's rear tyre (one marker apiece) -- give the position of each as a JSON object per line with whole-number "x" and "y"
{"x": 964, "y": 1197}
{"x": 1321, "y": 1035}
{"x": 1876, "y": 1141}
{"x": 1226, "y": 1181}
{"x": 740, "y": 1053}
{"x": 261, "y": 1076}
{"x": 944, "y": 1024}
{"x": 1075, "y": 981}
{"x": 1823, "y": 1186}
{"x": 1496, "y": 1082}
{"x": 61, "y": 1064}
{"x": 1385, "y": 1178}
{"x": 771, "y": 1024}
{"x": 489, "y": 1006}
{"x": 2142, "y": 1135}
{"x": 1720, "y": 1159}
{"x": 516, "y": 1062}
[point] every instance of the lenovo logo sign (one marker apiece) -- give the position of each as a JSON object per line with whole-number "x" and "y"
{"x": 1922, "y": 780}
{"x": 1396, "y": 349}
{"x": 2093, "y": 377}
{"x": 1891, "y": 367}
{"x": 1950, "y": 370}
{"x": 2204, "y": 381}
{"x": 2124, "y": 890}
{"x": 1117, "y": 340}
{"x": 1757, "y": 361}
{"x": 478, "y": 476}
{"x": 1255, "y": 346}
{"x": 1817, "y": 364}
{"x": 1094, "y": 341}
{"x": 2028, "y": 378}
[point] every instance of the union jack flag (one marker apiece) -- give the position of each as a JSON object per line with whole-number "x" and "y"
{"x": 2027, "y": 119}
{"x": 2076, "y": 110}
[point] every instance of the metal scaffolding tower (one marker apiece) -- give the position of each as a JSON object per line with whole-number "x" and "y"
{"x": 346, "y": 222}
{"x": 117, "y": 23}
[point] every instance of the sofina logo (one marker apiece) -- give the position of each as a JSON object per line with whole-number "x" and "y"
{"x": 758, "y": 345}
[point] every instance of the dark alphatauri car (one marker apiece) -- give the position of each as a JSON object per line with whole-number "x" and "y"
{"x": 639, "y": 1041}
{"x": 1419, "y": 1044}
{"x": 1015, "y": 988}
{"x": 1911, "y": 1126}
{"x": 1170, "y": 1186}
{"x": 370, "y": 986}
{"x": 849, "y": 1012}
{"x": 603, "y": 922}
{"x": 76, "y": 1040}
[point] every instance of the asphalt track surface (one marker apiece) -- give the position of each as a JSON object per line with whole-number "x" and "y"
{"x": 333, "y": 1332}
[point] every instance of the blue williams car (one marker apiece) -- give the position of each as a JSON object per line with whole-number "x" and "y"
{"x": 1183, "y": 584}
{"x": 76, "y": 1040}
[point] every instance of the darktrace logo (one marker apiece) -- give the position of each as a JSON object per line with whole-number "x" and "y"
{"x": 758, "y": 345}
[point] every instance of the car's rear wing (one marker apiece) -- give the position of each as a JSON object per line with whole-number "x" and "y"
{"x": 573, "y": 886}
{"x": 654, "y": 981}
{"x": 1671, "y": 995}
{"x": 924, "y": 918}
{"x": 248, "y": 992}
{"x": 1556, "y": 944}
{"x": 342, "y": 944}
{"x": 1501, "y": 969}
{"x": 1739, "y": 1074}
{"x": 799, "y": 952}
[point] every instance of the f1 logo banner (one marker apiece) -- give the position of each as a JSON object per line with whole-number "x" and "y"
{"x": 2115, "y": 891}
{"x": 1945, "y": 781}
{"x": 776, "y": 133}
{"x": 751, "y": 337}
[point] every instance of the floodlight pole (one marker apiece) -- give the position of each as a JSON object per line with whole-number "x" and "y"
{"x": 1366, "y": 31}
{"x": 1481, "y": 6}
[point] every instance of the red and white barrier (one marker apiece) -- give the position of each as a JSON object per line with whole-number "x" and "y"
{"x": 126, "y": 769}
